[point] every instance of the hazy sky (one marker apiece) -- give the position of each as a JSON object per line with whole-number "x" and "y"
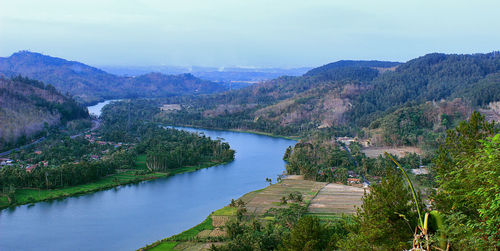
{"x": 283, "y": 33}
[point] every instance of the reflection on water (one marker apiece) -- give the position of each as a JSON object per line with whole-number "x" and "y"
{"x": 131, "y": 216}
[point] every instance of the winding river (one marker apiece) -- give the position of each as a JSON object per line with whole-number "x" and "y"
{"x": 129, "y": 217}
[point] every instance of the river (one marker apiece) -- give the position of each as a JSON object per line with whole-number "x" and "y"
{"x": 129, "y": 217}
{"x": 96, "y": 109}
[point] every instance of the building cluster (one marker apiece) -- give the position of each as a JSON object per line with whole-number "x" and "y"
{"x": 170, "y": 107}
{"x": 93, "y": 138}
{"x": 348, "y": 140}
{"x": 353, "y": 178}
{"x": 6, "y": 162}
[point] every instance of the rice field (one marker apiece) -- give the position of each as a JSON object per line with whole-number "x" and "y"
{"x": 259, "y": 203}
{"x": 336, "y": 199}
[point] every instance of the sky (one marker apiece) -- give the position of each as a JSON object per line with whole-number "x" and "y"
{"x": 249, "y": 33}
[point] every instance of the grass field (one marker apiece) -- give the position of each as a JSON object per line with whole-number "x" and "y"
{"x": 166, "y": 246}
{"x": 189, "y": 235}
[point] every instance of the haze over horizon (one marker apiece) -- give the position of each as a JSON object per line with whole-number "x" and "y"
{"x": 250, "y": 34}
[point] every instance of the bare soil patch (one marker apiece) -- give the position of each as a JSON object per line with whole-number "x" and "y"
{"x": 219, "y": 221}
{"x": 374, "y": 152}
{"x": 217, "y": 232}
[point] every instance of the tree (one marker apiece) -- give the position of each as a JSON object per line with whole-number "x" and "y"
{"x": 468, "y": 179}
{"x": 461, "y": 143}
{"x": 11, "y": 195}
{"x": 307, "y": 234}
{"x": 387, "y": 218}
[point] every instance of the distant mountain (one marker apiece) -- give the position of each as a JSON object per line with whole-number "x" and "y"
{"x": 351, "y": 70}
{"x": 29, "y": 106}
{"x": 226, "y": 74}
{"x": 353, "y": 63}
{"x": 89, "y": 84}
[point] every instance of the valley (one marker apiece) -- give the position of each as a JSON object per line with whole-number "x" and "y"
{"x": 314, "y": 149}
{"x": 249, "y": 125}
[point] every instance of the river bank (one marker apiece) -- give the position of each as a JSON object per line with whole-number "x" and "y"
{"x": 123, "y": 177}
{"x": 240, "y": 130}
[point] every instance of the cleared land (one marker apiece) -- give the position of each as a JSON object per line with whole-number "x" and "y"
{"x": 374, "y": 152}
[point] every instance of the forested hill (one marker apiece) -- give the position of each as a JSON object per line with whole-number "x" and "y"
{"x": 474, "y": 78}
{"x": 28, "y": 107}
{"x": 337, "y": 70}
{"x": 88, "y": 84}
{"x": 353, "y": 94}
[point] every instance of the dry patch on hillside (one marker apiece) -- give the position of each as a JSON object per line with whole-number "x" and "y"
{"x": 492, "y": 113}
{"x": 227, "y": 109}
{"x": 334, "y": 109}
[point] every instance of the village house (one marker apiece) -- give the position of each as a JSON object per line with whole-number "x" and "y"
{"x": 348, "y": 140}
{"x": 30, "y": 168}
{"x": 170, "y": 107}
{"x": 420, "y": 171}
{"x": 352, "y": 174}
{"x": 5, "y": 162}
{"x": 353, "y": 181}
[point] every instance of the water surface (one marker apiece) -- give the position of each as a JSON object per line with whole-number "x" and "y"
{"x": 97, "y": 108}
{"x": 131, "y": 216}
